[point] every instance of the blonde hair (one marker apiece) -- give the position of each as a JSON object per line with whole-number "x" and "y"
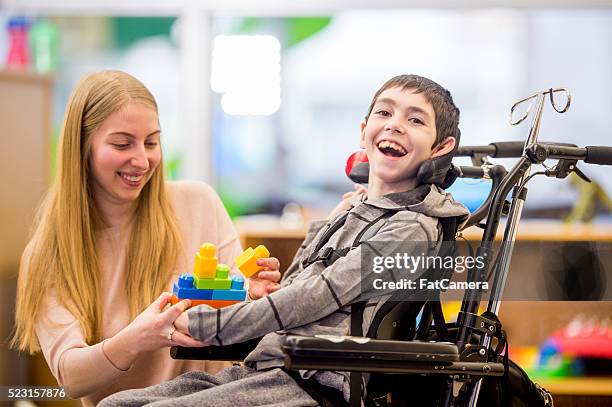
{"x": 63, "y": 247}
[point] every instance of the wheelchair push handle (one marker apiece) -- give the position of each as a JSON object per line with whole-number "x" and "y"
{"x": 508, "y": 149}
{"x": 539, "y": 152}
{"x": 501, "y": 149}
{"x": 601, "y": 155}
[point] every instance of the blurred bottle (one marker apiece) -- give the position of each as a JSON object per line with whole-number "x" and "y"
{"x": 18, "y": 55}
{"x": 292, "y": 216}
{"x": 44, "y": 40}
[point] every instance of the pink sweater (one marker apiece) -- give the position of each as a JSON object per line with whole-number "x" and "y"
{"x": 85, "y": 370}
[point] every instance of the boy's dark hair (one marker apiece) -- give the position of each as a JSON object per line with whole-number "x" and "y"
{"x": 447, "y": 114}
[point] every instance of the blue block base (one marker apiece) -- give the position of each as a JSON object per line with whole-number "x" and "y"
{"x": 192, "y": 293}
{"x": 233, "y": 295}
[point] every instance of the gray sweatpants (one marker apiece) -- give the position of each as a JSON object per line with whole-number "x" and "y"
{"x": 232, "y": 387}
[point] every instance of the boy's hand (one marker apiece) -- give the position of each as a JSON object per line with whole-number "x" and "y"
{"x": 181, "y": 336}
{"x": 345, "y": 204}
{"x": 266, "y": 280}
{"x": 182, "y": 323}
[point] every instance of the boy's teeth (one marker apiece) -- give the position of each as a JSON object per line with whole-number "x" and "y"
{"x": 393, "y": 145}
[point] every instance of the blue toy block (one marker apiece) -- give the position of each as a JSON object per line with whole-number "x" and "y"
{"x": 237, "y": 283}
{"x": 234, "y": 295}
{"x": 185, "y": 281}
{"x": 191, "y": 293}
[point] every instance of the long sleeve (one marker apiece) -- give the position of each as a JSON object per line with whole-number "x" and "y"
{"x": 314, "y": 227}
{"x": 80, "y": 368}
{"x": 308, "y": 298}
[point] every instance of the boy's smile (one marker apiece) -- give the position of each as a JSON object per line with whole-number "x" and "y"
{"x": 398, "y": 136}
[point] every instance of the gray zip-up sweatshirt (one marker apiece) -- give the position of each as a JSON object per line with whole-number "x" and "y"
{"x": 316, "y": 300}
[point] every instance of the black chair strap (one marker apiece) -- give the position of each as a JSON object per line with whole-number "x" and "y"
{"x": 329, "y": 255}
{"x": 438, "y": 318}
{"x": 333, "y": 228}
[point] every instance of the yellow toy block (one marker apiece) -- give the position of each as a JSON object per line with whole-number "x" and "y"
{"x": 246, "y": 261}
{"x": 205, "y": 264}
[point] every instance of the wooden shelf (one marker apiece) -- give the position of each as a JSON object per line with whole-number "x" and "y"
{"x": 551, "y": 231}
{"x": 269, "y": 227}
{"x": 25, "y": 103}
{"x": 24, "y": 75}
{"x": 266, "y": 227}
{"x": 578, "y": 386}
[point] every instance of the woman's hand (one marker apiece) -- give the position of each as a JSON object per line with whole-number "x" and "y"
{"x": 266, "y": 280}
{"x": 151, "y": 330}
{"x": 345, "y": 203}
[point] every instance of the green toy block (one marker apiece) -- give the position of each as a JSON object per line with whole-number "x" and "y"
{"x": 212, "y": 284}
{"x": 222, "y": 271}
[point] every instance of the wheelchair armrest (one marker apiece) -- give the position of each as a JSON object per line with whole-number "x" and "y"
{"x": 235, "y": 351}
{"x": 346, "y": 353}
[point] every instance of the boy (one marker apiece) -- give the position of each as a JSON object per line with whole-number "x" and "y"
{"x": 411, "y": 119}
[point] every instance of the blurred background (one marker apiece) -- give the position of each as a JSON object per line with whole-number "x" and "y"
{"x": 263, "y": 99}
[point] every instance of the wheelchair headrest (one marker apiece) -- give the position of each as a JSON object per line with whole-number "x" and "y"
{"x": 357, "y": 167}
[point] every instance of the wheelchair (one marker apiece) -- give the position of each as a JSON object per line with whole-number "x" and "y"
{"x": 432, "y": 362}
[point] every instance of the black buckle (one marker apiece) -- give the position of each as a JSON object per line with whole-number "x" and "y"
{"x": 326, "y": 253}
{"x": 315, "y": 256}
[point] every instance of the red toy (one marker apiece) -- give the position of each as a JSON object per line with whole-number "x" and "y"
{"x": 585, "y": 338}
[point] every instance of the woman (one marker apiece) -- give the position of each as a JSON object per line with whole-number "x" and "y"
{"x": 110, "y": 238}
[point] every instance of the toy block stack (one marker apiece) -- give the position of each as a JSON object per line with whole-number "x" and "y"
{"x": 210, "y": 282}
